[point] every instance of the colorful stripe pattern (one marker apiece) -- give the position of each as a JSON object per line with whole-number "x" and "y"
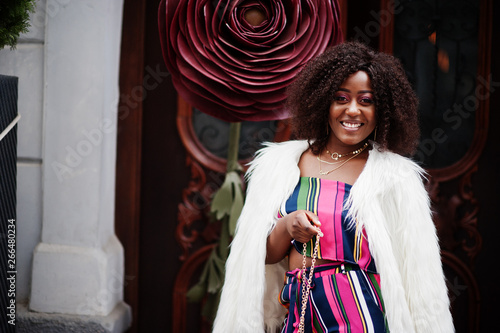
{"x": 345, "y": 295}
{"x": 343, "y": 300}
{"x": 341, "y": 242}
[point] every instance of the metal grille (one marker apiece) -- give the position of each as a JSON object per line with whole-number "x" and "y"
{"x": 8, "y": 155}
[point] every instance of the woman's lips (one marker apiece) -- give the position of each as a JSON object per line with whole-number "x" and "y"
{"x": 351, "y": 125}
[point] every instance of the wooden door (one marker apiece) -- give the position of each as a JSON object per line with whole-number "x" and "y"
{"x": 168, "y": 166}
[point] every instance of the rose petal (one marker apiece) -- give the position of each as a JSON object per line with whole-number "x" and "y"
{"x": 237, "y": 69}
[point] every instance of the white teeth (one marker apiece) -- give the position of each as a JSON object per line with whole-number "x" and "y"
{"x": 351, "y": 125}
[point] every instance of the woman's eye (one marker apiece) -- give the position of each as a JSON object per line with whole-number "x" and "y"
{"x": 366, "y": 100}
{"x": 341, "y": 98}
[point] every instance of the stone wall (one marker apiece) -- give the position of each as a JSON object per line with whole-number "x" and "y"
{"x": 69, "y": 260}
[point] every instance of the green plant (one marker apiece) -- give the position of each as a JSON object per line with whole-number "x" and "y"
{"x": 14, "y": 20}
{"x": 226, "y": 207}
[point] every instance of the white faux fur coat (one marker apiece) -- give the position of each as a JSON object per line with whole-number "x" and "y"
{"x": 391, "y": 203}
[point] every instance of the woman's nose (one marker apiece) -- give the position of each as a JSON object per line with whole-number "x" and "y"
{"x": 352, "y": 108}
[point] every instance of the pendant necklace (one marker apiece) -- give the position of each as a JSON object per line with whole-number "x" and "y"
{"x": 337, "y": 156}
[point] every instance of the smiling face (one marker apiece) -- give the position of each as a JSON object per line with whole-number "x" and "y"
{"x": 352, "y": 115}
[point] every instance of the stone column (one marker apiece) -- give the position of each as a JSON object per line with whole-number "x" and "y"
{"x": 78, "y": 267}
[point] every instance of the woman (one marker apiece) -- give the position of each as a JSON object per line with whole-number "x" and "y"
{"x": 343, "y": 211}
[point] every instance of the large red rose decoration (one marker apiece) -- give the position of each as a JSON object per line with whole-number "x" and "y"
{"x": 233, "y": 59}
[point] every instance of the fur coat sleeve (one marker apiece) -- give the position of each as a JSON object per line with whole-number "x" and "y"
{"x": 249, "y": 299}
{"x": 388, "y": 200}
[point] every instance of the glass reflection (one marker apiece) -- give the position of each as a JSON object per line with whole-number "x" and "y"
{"x": 437, "y": 42}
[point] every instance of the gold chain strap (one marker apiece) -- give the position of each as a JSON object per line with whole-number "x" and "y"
{"x": 306, "y": 283}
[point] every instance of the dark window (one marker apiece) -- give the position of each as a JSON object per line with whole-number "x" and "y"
{"x": 437, "y": 41}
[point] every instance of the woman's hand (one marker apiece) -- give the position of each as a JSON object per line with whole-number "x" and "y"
{"x": 302, "y": 225}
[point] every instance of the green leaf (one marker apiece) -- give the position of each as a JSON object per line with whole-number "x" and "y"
{"x": 209, "y": 310}
{"x": 14, "y": 20}
{"x": 226, "y": 207}
{"x": 214, "y": 281}
{"x": 197, "y": 292}
{"x": 225, "y": 238}
{"x": 222, "y": 202}
{"x": 223, "y": 198}
{"x": 215, "y": 273}
{"x": 234, "y": 166}
{"x": 236, "y": 208}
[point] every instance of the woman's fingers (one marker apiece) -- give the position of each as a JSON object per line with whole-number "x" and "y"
{"x": 305, "y": 226}
{"x": 313, "y": 218}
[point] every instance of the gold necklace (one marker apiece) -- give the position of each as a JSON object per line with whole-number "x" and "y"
{"x": 335, "y": 156}
{"x": 357, "y": 152}
{"x": 326, "y": 162}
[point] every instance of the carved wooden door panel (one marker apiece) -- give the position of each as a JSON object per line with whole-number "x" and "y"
{"x": 206, "y": 141}
{"x": 445, "y": 47}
